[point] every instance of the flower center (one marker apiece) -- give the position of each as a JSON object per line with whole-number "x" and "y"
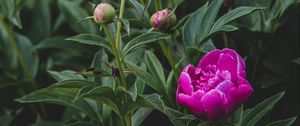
{"x": 207, "y": 78}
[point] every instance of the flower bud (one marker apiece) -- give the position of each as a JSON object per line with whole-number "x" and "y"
{"x": 104, "y": 13}
{"x": 163, "y": 19}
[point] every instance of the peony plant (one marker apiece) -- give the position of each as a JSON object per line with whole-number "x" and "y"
{"x": 148, "y": 62}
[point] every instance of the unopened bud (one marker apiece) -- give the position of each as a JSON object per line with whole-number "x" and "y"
{"x": 163, "y": 19}
{"x": 104, "y": 13}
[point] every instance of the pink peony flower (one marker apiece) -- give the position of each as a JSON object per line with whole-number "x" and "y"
{"x": 216, "y": 87}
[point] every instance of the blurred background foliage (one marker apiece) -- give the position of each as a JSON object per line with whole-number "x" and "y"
{"x": 33, "y": 49}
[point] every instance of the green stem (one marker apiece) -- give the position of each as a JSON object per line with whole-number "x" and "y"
{"x": 226, "y": 44}
{"x": 127, "y": 120}
{"x": 116, "y": 53}
{"x": 119, "y": 26}
{"x": 170, "y": 57}
{"x": 118, "y": 43}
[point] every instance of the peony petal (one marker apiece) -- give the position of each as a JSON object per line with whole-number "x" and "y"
{"x": 228, "y": 63}
{"x": 213, "y": 102}
{"x": 198, "y": 94}
{"x": 184, "y": 84}
{"x": 210, "y": 58}
{"x": 226, "y": 87}
{"x": 244, "y": 92}
{"x": 241, "y": 67}
{"x": 187, "y": 68}
{"x": 192, "y": 103}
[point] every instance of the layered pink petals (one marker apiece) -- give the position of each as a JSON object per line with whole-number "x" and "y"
{"x": 216, "y": 87}
{"x": 185, "y": 87}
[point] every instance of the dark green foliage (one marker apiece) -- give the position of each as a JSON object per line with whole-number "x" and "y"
{"x": 58, "y": 69}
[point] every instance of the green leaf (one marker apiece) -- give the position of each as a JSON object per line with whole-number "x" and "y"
{"x": 235, "y": 119}
{"x": 174, "y": 116}
{"x": 59, "y": 43}
{"x": 139, "y": 8}
{"x": 142, "y": 40}
{"x": 62, "y": 93}
{"x": 73, "y": 14}
{"x": 260, "y": 110}
{"x": 127, "y": 25}
{"x": 10, "y": 10}
{"x": 145, "y": 12}
{"x": 91, "y": 40}
{"x": 155, "y": 67}
{"x": 97, "y": 108}
{"x": 41, "y": 21}
{"x": 280, "y": 7}
{"x": 150, "y": 80}
{"x": 206, "y": 47}
{"x": 59, "y": 22}
{"x": 98, "y": 64}
{"x": 133, "y": 91}
{"x": 284, "y": 122}
{"x": 181, "y": 22}
{"x": 269, "y": 19}
{"x": 29, "y": 55}
{"x": 119, "y": 104}
{"x": 106, "y": 113}
{"x": 8, "y": 53}
{"x": 237, "y": 116}
{"x": 192, "y": 25}
{"x": 169, "y": 87}
{"x": 225, "y": 28}
{"x": 208, "y": 20}
{"x": 104, "y": 95}
{"x": 99, "y": 61}
{"x": 297, "y": 61}
{"x": 140, "y": 115}
{"x": 148, "y": 101}
{"x": 199, "y": 24}
{"x": 231, "y": 16}
{"x": 140, "y": 85}
{"x": 7, "y": 7}
{"x": 64, "y": 75}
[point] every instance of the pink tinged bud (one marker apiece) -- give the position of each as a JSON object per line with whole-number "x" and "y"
{"x": 163, "y": 19}
{"x": 216, "y": 87}
{"x": 104, "y": 13}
